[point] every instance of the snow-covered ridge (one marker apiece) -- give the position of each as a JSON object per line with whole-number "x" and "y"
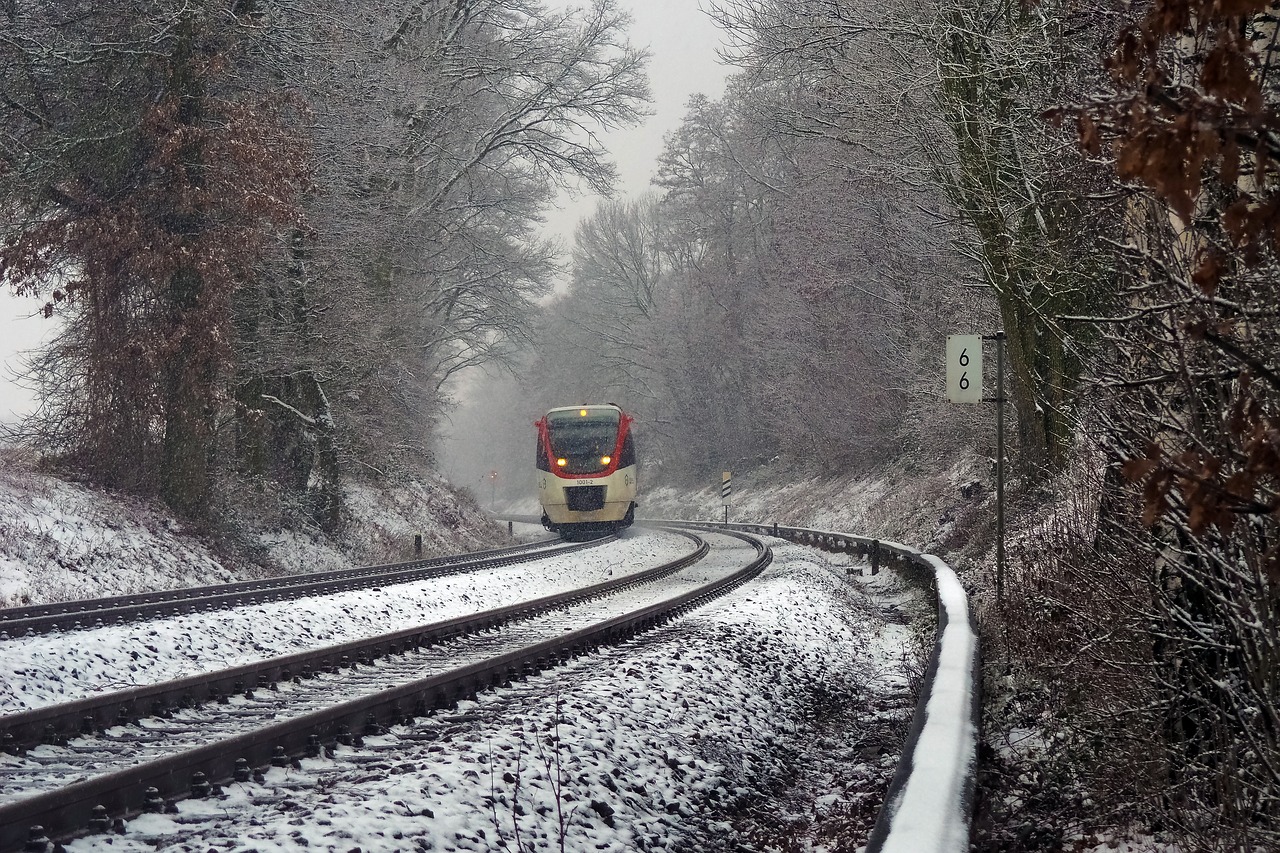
{"x": 62, "y": 541}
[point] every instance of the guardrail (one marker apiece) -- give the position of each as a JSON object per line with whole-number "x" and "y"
{"x": 929, "y": 805}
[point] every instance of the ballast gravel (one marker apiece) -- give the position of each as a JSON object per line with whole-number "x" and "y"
{"x": 768, "y": 720}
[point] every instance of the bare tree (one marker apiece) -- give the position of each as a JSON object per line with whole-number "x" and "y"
{"x": 1190, "y": 116}
{"x": 435, "y": 134}
{"x": 148, "y": 185}
{"x": 760, "y": 308}
{"x": 1019, "y": 188}
{"x": 499, "y": 104}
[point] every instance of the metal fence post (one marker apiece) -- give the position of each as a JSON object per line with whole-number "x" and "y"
{"x": 1000, "y": 468}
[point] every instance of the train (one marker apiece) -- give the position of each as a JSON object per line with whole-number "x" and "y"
{"x": 586, "y": 470}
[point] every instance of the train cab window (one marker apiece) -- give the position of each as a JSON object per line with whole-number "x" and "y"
{"x": 585, "y": 442}
{"x": 627, "y": 457}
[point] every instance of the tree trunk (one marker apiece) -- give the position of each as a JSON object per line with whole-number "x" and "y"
{"x": 188, "y": 387}
{"x": 191, "y": 371}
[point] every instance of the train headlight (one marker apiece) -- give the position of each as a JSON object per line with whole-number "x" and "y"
{"x": 561, "y": 462}
{"x": 605, "y": 460}
{"x": 582, "y": 413}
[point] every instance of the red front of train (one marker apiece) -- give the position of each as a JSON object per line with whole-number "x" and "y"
{"x": 586, "y": 469}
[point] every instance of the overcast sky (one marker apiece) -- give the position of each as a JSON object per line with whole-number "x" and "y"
{"x": 19, "y": 331}
{"x": 683, "y": 44}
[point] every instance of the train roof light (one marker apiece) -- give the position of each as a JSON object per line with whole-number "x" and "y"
{"x": 582, "y": 413}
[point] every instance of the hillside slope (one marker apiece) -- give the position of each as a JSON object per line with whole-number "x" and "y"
{"x": 61, "y": 540}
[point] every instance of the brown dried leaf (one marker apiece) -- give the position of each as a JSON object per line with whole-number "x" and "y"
{"x": 1241, "y": 8}
{"x": 1125, "y": 63}
{"x": 1136, "y": 470}
{"x": 1209, "y": 272}
{"x": 1228, "y": 74}
{"x": 1154, "y": 496}
{"x": 1088, "y": 130}
{"x": 1237, "y": 221}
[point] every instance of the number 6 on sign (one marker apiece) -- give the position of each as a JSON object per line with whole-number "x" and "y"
{"x": 964, "y": 368}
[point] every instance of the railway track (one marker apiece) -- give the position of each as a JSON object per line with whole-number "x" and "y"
{"x": 86, "y": 613}
{"x": 275, "y": 714}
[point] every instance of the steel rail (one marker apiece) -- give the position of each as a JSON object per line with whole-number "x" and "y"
{"x": 81, "y": 605}
{"x": 75, "y": 615}
{"x": 93, "y": 802}
{"x": 55, "y": 724}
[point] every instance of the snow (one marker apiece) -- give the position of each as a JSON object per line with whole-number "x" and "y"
{"x": 653, "y": 745}
{"x": 772, "y": 717}
{"x": 931, "y": 810}
{"x": 64, "y": 667}
{"x": 931, "y": 813}
{"x": 61, "y": 541}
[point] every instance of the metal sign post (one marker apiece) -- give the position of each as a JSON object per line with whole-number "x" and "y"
{"x": 726, "y": 488}
{"x": 964, "y": 385}
{"x": 998, "y": 337}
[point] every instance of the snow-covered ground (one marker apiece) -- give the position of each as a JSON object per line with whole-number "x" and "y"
{"x": 66, "y": 666}
{"x": 717, "y": 732}
{"x": 797, "y": 706}
{"x": 774, "y": 714}
{"x": 61, "y": 541}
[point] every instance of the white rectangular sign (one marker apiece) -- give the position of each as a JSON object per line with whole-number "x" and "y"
{"x": 964, "y": 368}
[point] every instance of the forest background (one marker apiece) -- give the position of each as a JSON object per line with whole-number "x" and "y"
{"x": 275, "y": 231}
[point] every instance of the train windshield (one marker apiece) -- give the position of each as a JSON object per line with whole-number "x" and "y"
{"x": 583, "y": 438}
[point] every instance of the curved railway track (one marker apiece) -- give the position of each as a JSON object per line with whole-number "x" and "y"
{"x": 72, "y": 782}
{"x": 73, "y": 615}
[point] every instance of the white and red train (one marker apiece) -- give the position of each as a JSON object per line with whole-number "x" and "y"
{"x": 586, "y": 463}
